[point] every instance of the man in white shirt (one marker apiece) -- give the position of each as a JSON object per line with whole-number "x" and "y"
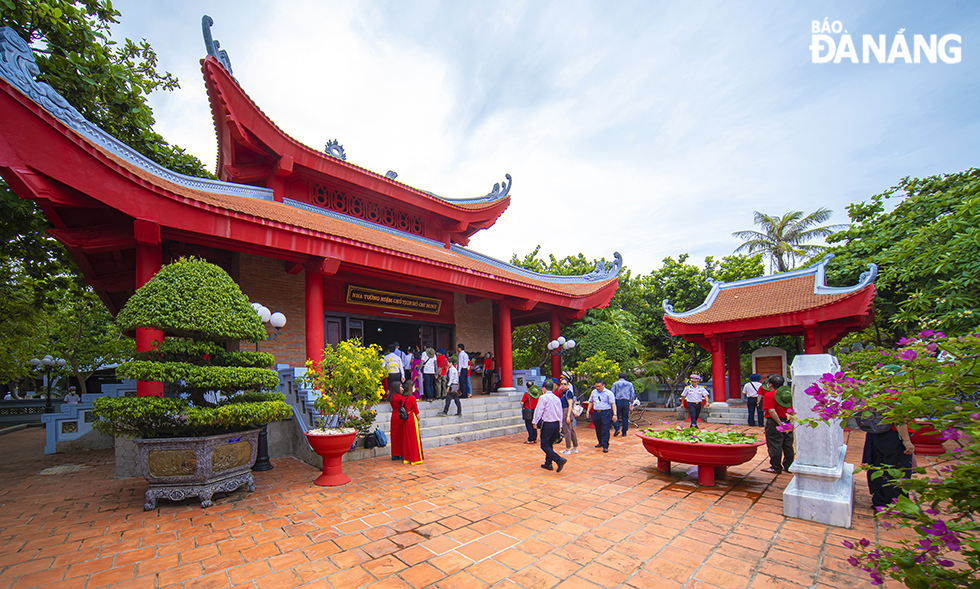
{"x": 453, "y": 393}
{"x": 393, "y": 365}
{"x": 753, "y": 400}
{"x": 464, "y": 372}
{"x": 695, "y": 395}
{"x": 548, "y": 414}
{"x": 429, "y": 374}
{"x": 602, "y": 403}
{"x": 72, "y": 397}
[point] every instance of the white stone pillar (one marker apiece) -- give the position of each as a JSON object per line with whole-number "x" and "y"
{"x": 822, "y": 489}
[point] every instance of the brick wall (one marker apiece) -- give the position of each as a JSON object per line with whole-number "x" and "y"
{"x": 264, "y": 280}
{"x": 474, "y": 324}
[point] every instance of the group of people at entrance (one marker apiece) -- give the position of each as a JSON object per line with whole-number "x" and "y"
{"x": 434, "y": 373}
{"x": 554, "y": 408}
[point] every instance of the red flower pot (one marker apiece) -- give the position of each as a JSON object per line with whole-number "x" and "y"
{"x": 926, "y": 439}
{"x": 712, "y": 460}
{"x": 331, "y": 447}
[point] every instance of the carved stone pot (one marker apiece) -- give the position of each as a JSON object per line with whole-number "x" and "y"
{"x": 177, "y": 468}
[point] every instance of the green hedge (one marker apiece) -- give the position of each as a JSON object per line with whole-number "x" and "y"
{"x": 211, "y": 378}
{"x": 158, "y": 417}
{"x": 191, "y": 296}
{"x": 204, "y": 353}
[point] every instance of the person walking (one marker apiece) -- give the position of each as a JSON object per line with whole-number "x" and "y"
{"x": 529, "y": 402}
{"x": 751, "y": 393}
{"x": 464, "y": 372}
{"x": 602, "y": 403}
{"x": 568, "y": 402}
{"x": 453, "y": 394}
{"x": 547, "y": 416}
{"x": 393, "y": 365}
{"x": 429, "y": 373}
{"x": 397, "y": 423}
{"x": 442, "y": 380}
{"x": 411, "y": 433}
{"x": 695, "y": 396}
{"x": 488, "y": 374}
{"x": 776, "y": 399}
{"x": 625, "y": 394}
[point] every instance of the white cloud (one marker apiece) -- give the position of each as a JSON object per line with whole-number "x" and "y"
{"x": 652, "y": 129}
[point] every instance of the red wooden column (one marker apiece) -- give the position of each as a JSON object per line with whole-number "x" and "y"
{"x": 314, "y": 314}
{"x": 506, "y": 358}
{"x": 718, "y": 369}
{"x": 149, "y": 259}
{"x": 554, "y": 331}
{"x": 734, "y": 369}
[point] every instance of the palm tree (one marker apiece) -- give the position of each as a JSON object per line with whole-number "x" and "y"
{"x": 784, "y": 239}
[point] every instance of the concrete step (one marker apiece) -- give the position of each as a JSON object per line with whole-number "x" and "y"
{"x": 731, "y": 415}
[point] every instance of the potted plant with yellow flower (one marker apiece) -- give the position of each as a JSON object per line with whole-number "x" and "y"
{"x": 348, "y": 381}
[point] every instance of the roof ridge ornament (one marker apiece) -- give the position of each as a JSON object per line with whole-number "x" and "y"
{"x": 605, "y": 270}
{"x": 334, "y": 149}
{"x": 212, "y": 45}
{"x": 497, "y": 192}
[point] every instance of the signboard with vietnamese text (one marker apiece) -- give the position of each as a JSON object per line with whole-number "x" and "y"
{"x": 359, "y": 295}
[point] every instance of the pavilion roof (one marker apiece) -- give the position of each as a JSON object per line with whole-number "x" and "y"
{"x": 787, "y": 293}
{"x": 93, "y": 187}
{"x": 243, "y": 128}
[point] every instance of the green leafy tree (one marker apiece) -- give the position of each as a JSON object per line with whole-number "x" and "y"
{"x": 927, "y": 250}
{"x": 82, "y": 331}
{"x": 108, "y": 83}
{"x": 595, "y": 367}
{"x": 201, "y": 311}
{"x": 784, "y": 240}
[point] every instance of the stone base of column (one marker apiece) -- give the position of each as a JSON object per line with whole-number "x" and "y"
{"x": 821, "y": 494}
{"x": 504, "y": 392}
{"x": 718, "y": 404}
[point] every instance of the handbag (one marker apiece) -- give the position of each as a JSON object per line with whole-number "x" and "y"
{"x": 527, "y": 413}
{"x": 577, "y": 409}
{"x": 402, "y": 414}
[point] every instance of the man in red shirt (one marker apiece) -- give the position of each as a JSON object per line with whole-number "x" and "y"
{"x": 775, "y": 402}
{"x": 442, "y": 380}
{"x": 487, "y": 373}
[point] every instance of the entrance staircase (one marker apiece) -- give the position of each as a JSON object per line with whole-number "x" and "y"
{"x": 484, "y": 416}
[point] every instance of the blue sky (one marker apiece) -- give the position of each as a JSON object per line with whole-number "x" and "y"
{"x": 649, "y": 128}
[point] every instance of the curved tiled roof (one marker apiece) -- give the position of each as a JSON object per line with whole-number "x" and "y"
{"x": 18, "y": 69}
{"x": 209, "y": 65}
{"x": 768, "y": 296}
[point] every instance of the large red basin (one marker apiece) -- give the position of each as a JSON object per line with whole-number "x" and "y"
{"x": 712, "y": 460}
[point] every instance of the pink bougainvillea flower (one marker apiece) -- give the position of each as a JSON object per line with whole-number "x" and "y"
{"x": 785, "y": 426}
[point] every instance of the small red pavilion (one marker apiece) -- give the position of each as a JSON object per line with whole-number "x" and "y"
{"x": 791, "y": 303}
{"x": 340, "y": 250}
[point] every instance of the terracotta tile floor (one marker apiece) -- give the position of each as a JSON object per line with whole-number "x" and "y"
{"x": 480, "y": 514}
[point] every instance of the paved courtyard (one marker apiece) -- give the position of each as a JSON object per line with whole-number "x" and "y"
{"x": 479, "y": 514}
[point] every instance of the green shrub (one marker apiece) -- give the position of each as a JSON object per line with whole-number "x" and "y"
{"x": 193, "y": 297}
{"x": 605, "y": 338}
{"x": 349, "y": 380}
{"x": 157, "y": 417}
{"x": 596, "y": 366}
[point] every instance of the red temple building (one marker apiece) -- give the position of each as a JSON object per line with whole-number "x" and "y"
{"x": 340, "y": 250}
{"x": 797, "y": 303}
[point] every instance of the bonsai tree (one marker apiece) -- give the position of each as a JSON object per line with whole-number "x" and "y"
{"x": 203, "y": 315}
{"x": 349, "y": 380}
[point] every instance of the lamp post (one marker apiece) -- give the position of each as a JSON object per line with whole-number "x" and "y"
{"x": 276, "y": 320}
{"x": 561, "y": 347}
{"x": 48, "y": 362}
